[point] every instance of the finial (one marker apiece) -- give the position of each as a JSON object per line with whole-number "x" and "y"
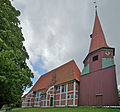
{"x": 95, "y": 3}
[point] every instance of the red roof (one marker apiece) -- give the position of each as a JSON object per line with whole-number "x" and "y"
{"x": 98, "y": 38}
{"x": 62, "y": 74}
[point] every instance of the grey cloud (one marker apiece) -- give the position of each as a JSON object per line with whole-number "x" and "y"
{"x": 58, "y": 30}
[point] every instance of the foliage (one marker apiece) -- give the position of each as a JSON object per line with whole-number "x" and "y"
{"x": 67, "y": 109}
{"x": 15, "y": 75}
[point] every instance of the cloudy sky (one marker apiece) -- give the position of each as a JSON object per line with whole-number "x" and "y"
{"x": 57, "y": 31}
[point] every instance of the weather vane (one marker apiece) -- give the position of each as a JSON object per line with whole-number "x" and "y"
{"x": 95, "y": 3}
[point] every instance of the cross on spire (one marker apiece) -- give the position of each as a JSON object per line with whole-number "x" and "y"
{"x": 95, "y": 3}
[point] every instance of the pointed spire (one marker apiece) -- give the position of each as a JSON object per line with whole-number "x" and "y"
{"x": 98, "y": 38}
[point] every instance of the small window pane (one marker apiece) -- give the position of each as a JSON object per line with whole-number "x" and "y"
{"x": 63, "y": 88}
{"x": 68, "y": 96}
{"x": 37, "y": 94}
{"x": 95, "y": 58}
{"x": 76, "y": 96}
{"x": 57, "y": 88}
{"x": 72, "y": 96}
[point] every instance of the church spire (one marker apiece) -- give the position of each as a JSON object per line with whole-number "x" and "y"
{"x": 98, "y": 38}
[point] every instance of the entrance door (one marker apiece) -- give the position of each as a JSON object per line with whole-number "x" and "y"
{"x": 99, "y": 100}
{"x": 51, "y": 101}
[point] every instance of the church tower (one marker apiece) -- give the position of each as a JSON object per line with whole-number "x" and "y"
{"x": 98, "y": 84}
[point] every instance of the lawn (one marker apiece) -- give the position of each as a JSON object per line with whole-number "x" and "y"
{"x": 67, "y": 109}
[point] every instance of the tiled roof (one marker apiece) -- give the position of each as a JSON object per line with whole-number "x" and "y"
{"x": 98, "y": 38}
{"x": 62, "y": 74}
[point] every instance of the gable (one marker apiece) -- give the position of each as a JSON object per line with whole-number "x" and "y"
{"x": 62, "y": 74}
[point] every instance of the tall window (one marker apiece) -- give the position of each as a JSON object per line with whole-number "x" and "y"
{"x": 70, "y": 96}
{"x": 37, "y": 94}
{"x": 63, "y": 88}
{"x": 38, "y": 97}
{"x": 57, "y": 88}
{"x": 95, "y": 58}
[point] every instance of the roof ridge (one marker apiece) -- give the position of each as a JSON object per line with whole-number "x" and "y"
{"x": 58, "y": 67}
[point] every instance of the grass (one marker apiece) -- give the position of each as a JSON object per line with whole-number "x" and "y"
{"x": 67, "y": 109}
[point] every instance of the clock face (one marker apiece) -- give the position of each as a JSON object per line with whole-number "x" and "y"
{"x": 107, "y": 52}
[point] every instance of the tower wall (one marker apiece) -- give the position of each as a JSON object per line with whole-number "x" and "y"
{"x": 99, "y": 88}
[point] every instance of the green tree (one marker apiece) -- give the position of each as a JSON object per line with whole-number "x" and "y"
{"x": 15, "y": 75}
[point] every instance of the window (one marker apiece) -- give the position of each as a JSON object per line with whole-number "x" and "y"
{"x": 95, "y": 58}
{"x": 37, "y": 94}
{"x": 43, "y": 97}
{"x": 70, "y": 96}
{"x": 35, "y": 100}
{"x": 40, "y": 99}
{"x": 76, "y": 96}
{"x": 63, "y": 88}
{"x": 57, "y": 88}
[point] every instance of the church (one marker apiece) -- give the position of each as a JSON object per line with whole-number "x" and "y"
{"x": 64, "y": 86}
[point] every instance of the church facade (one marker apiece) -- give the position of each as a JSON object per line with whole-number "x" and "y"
{"x": 66, "y": 86}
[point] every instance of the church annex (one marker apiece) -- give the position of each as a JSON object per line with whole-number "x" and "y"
{"x": 66, "y": 86}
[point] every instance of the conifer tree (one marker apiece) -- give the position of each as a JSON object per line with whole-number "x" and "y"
{"x": 15, "y": 75}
